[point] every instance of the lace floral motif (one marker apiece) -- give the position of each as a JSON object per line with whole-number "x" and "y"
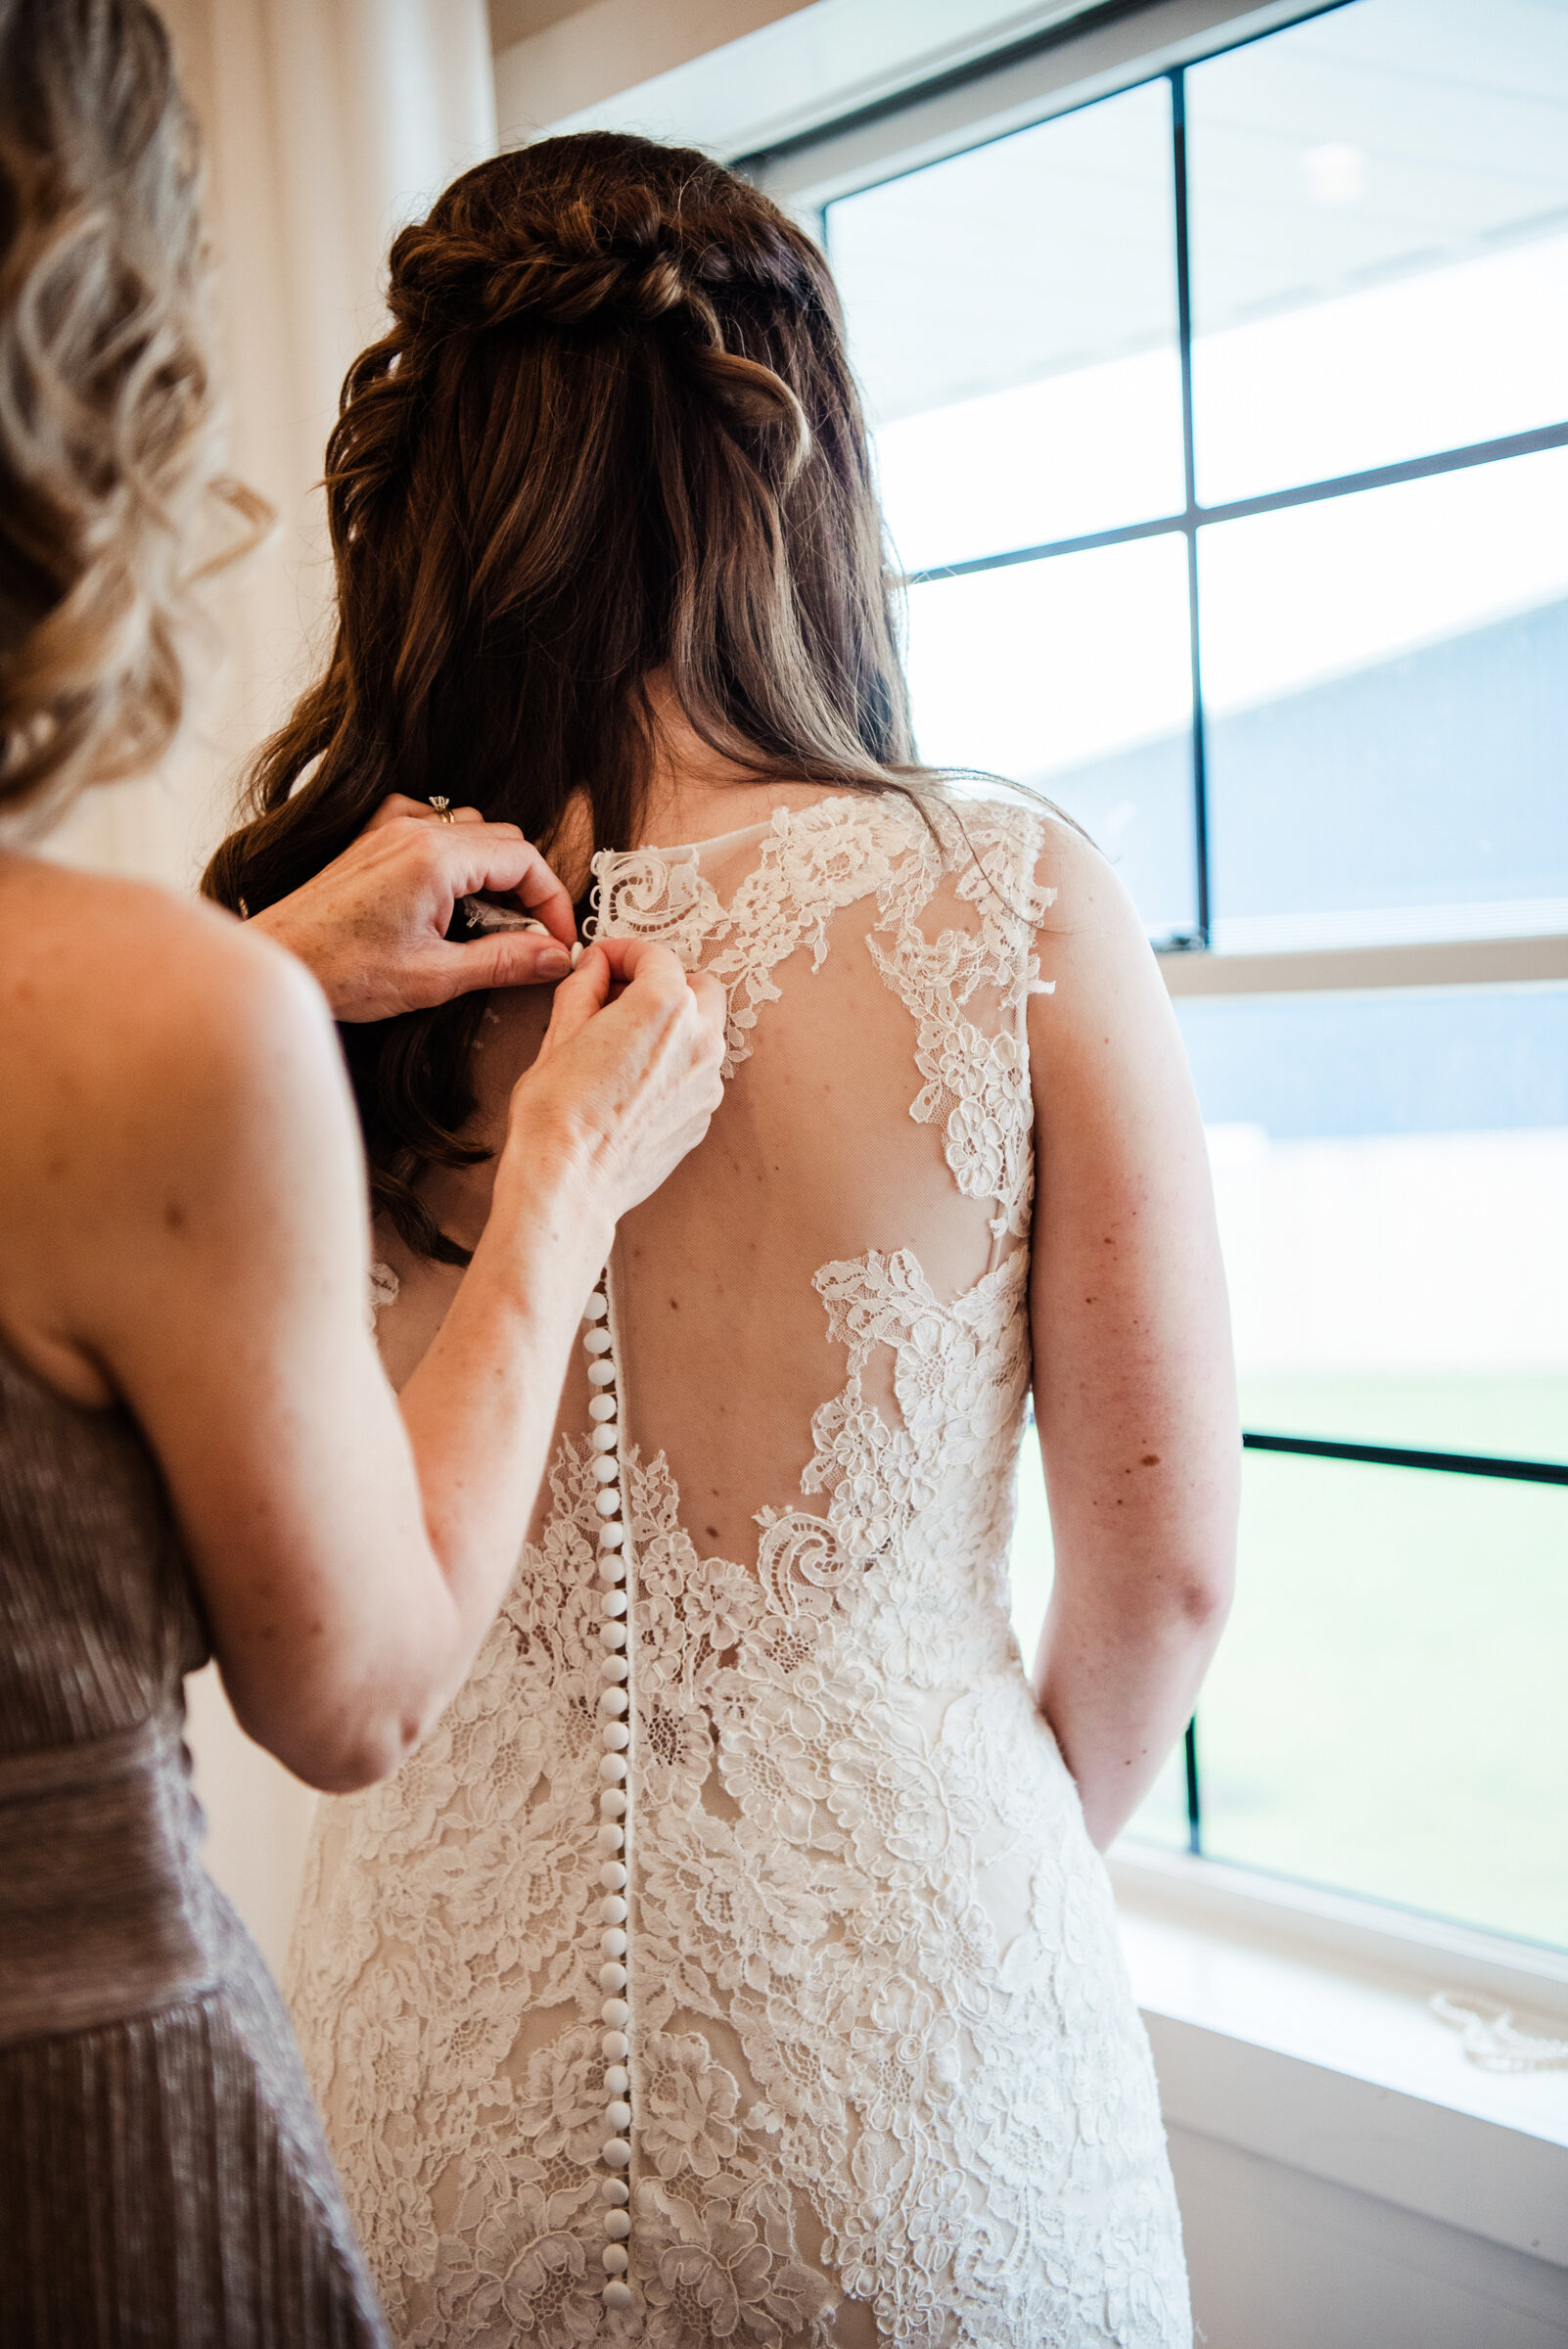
{"x": 977, "y": 1077}
{"x": 882, "y": 2046}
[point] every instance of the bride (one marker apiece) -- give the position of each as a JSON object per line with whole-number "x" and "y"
{"x": 736, "y": 1963}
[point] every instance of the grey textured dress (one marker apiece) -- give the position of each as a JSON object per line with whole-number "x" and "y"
{"x": 163, "y": 2174}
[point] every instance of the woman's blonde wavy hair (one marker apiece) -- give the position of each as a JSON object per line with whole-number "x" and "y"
{"x": 108, "y": 427}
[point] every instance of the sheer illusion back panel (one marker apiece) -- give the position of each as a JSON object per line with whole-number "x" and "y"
{"x": 732, "y": 1965}
{"x": 813, "y": 1159}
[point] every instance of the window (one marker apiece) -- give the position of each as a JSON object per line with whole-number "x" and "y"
{"x": 1222, "y": 430}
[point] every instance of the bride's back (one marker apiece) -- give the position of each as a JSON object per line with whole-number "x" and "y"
{"x": 753, "y": 1801}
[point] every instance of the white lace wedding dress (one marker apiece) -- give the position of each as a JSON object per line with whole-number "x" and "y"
{"x": 756, "y": 1864}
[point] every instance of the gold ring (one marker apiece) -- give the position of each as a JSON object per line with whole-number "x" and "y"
{"x": 444, "y": 808}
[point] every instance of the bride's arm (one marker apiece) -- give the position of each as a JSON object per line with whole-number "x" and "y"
{"x": 213, "y": 1263}
{"x": 1134, "y": 1390}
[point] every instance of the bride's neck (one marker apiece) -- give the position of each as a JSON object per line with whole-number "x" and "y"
{"x": 690, "y": 779}
{"x": 694, "y": 792}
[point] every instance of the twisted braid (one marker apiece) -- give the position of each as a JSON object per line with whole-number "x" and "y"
{"x": 630, "y": 264}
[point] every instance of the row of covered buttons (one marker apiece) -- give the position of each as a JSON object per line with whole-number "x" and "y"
{"x": 616, "y": 1738}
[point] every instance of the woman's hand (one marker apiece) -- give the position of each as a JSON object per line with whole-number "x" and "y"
{"x": 627, "y": 1078}
{"x": 371, "y": 927}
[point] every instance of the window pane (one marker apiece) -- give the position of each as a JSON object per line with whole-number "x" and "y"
{"x": 1386, "y": 678}
{"x": 1379, "y": 221}
{"x": 1384, "y": 1713}
{"x": 1072, "y": 675}
{"x": 1012, "y": 318}
{"x": 1390, "y": 1170}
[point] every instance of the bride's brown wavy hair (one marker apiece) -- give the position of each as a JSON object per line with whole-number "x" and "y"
{"x": 611, "y": 431}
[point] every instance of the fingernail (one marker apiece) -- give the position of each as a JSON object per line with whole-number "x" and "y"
{"x": 554, "y": 962}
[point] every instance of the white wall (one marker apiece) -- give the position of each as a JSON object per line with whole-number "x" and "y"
{"x": 1283, "y": 2260}
{"x": 732, "y": 75}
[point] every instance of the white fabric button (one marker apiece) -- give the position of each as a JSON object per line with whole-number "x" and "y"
{"x": 613, "y": 2258}
{"x": 613, "y": 1634}
{"x": 608, "y": 1503}
{"x": 596, "y": 1307}
{"x": 615, "y": 2191}
{"x": 611, "y": 1769}
{"x": 617, "y": 2153}
{"x": 616, "y": 2013}
{"x": 597, "y": 1341}
{"x": 612, "y": 1570}
{"x": 612, "y": 1603}
{"x": 612, "y": 1981}
{"x": 604, "y": 1439}
{"x": 612, "y": 1803}
{"x": 617, "y": 2294}
{"x": 606, "y": 1468}
{"x": 616, "y": 2080}
{"x": 613, "y": 1877}
{"x": 611, "y": 1837}
{"x": 601, "y": 1374}
{"x": 617, "y": 2225}
{"x": 615, "y": 1736}
{"x": 611, "y": 1537}
{"x": 602, "y": 1406}
{"x": 613, "y": 1910}
{"x": 613, "y": 1701}
{"x": 612, "y": 1669}
{"x": 618, "y": 2115}
{"x": 615, "y": 2046}
{"x": 613, "y": 1944}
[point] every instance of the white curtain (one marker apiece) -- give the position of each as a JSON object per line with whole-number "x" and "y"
{"x": 328, "y": 125}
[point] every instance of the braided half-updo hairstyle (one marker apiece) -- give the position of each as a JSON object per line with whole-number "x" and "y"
{"x": 611, "y": 431}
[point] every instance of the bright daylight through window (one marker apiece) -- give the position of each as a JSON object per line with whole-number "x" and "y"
{"x": 1222, "y": 428}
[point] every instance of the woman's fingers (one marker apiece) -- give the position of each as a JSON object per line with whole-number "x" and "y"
{"x": 713, "y": 1003}
{"x": 395, "y": 804}
{"x": 471, "y": 854}
{"x": 632, "y": 1055}
{"x": 576, "y": 999}
{"x": 502, "y": 959}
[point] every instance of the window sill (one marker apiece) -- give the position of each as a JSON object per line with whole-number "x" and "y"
{"x": 1297, "y": 2025}
{"x": 1523, "y": 960}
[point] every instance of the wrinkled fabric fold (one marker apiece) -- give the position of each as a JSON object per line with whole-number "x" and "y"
{"x": 104, "y": 1908}
{"x": 163, "y": 2181}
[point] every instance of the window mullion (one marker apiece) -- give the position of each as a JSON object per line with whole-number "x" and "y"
{"x": 1200, "y": 786}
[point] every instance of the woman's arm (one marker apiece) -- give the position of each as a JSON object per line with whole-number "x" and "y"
{"x": 208, "y": 1255}
{"x": 1135, "y": 1391}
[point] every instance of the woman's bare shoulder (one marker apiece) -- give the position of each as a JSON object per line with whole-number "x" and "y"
{"x": 153, "y": 1060}
{"x": 109, "y": 979}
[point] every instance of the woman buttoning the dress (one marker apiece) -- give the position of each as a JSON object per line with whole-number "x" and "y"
{"x": 736, "y": 1963}
{"x": 199, "y": 1451}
